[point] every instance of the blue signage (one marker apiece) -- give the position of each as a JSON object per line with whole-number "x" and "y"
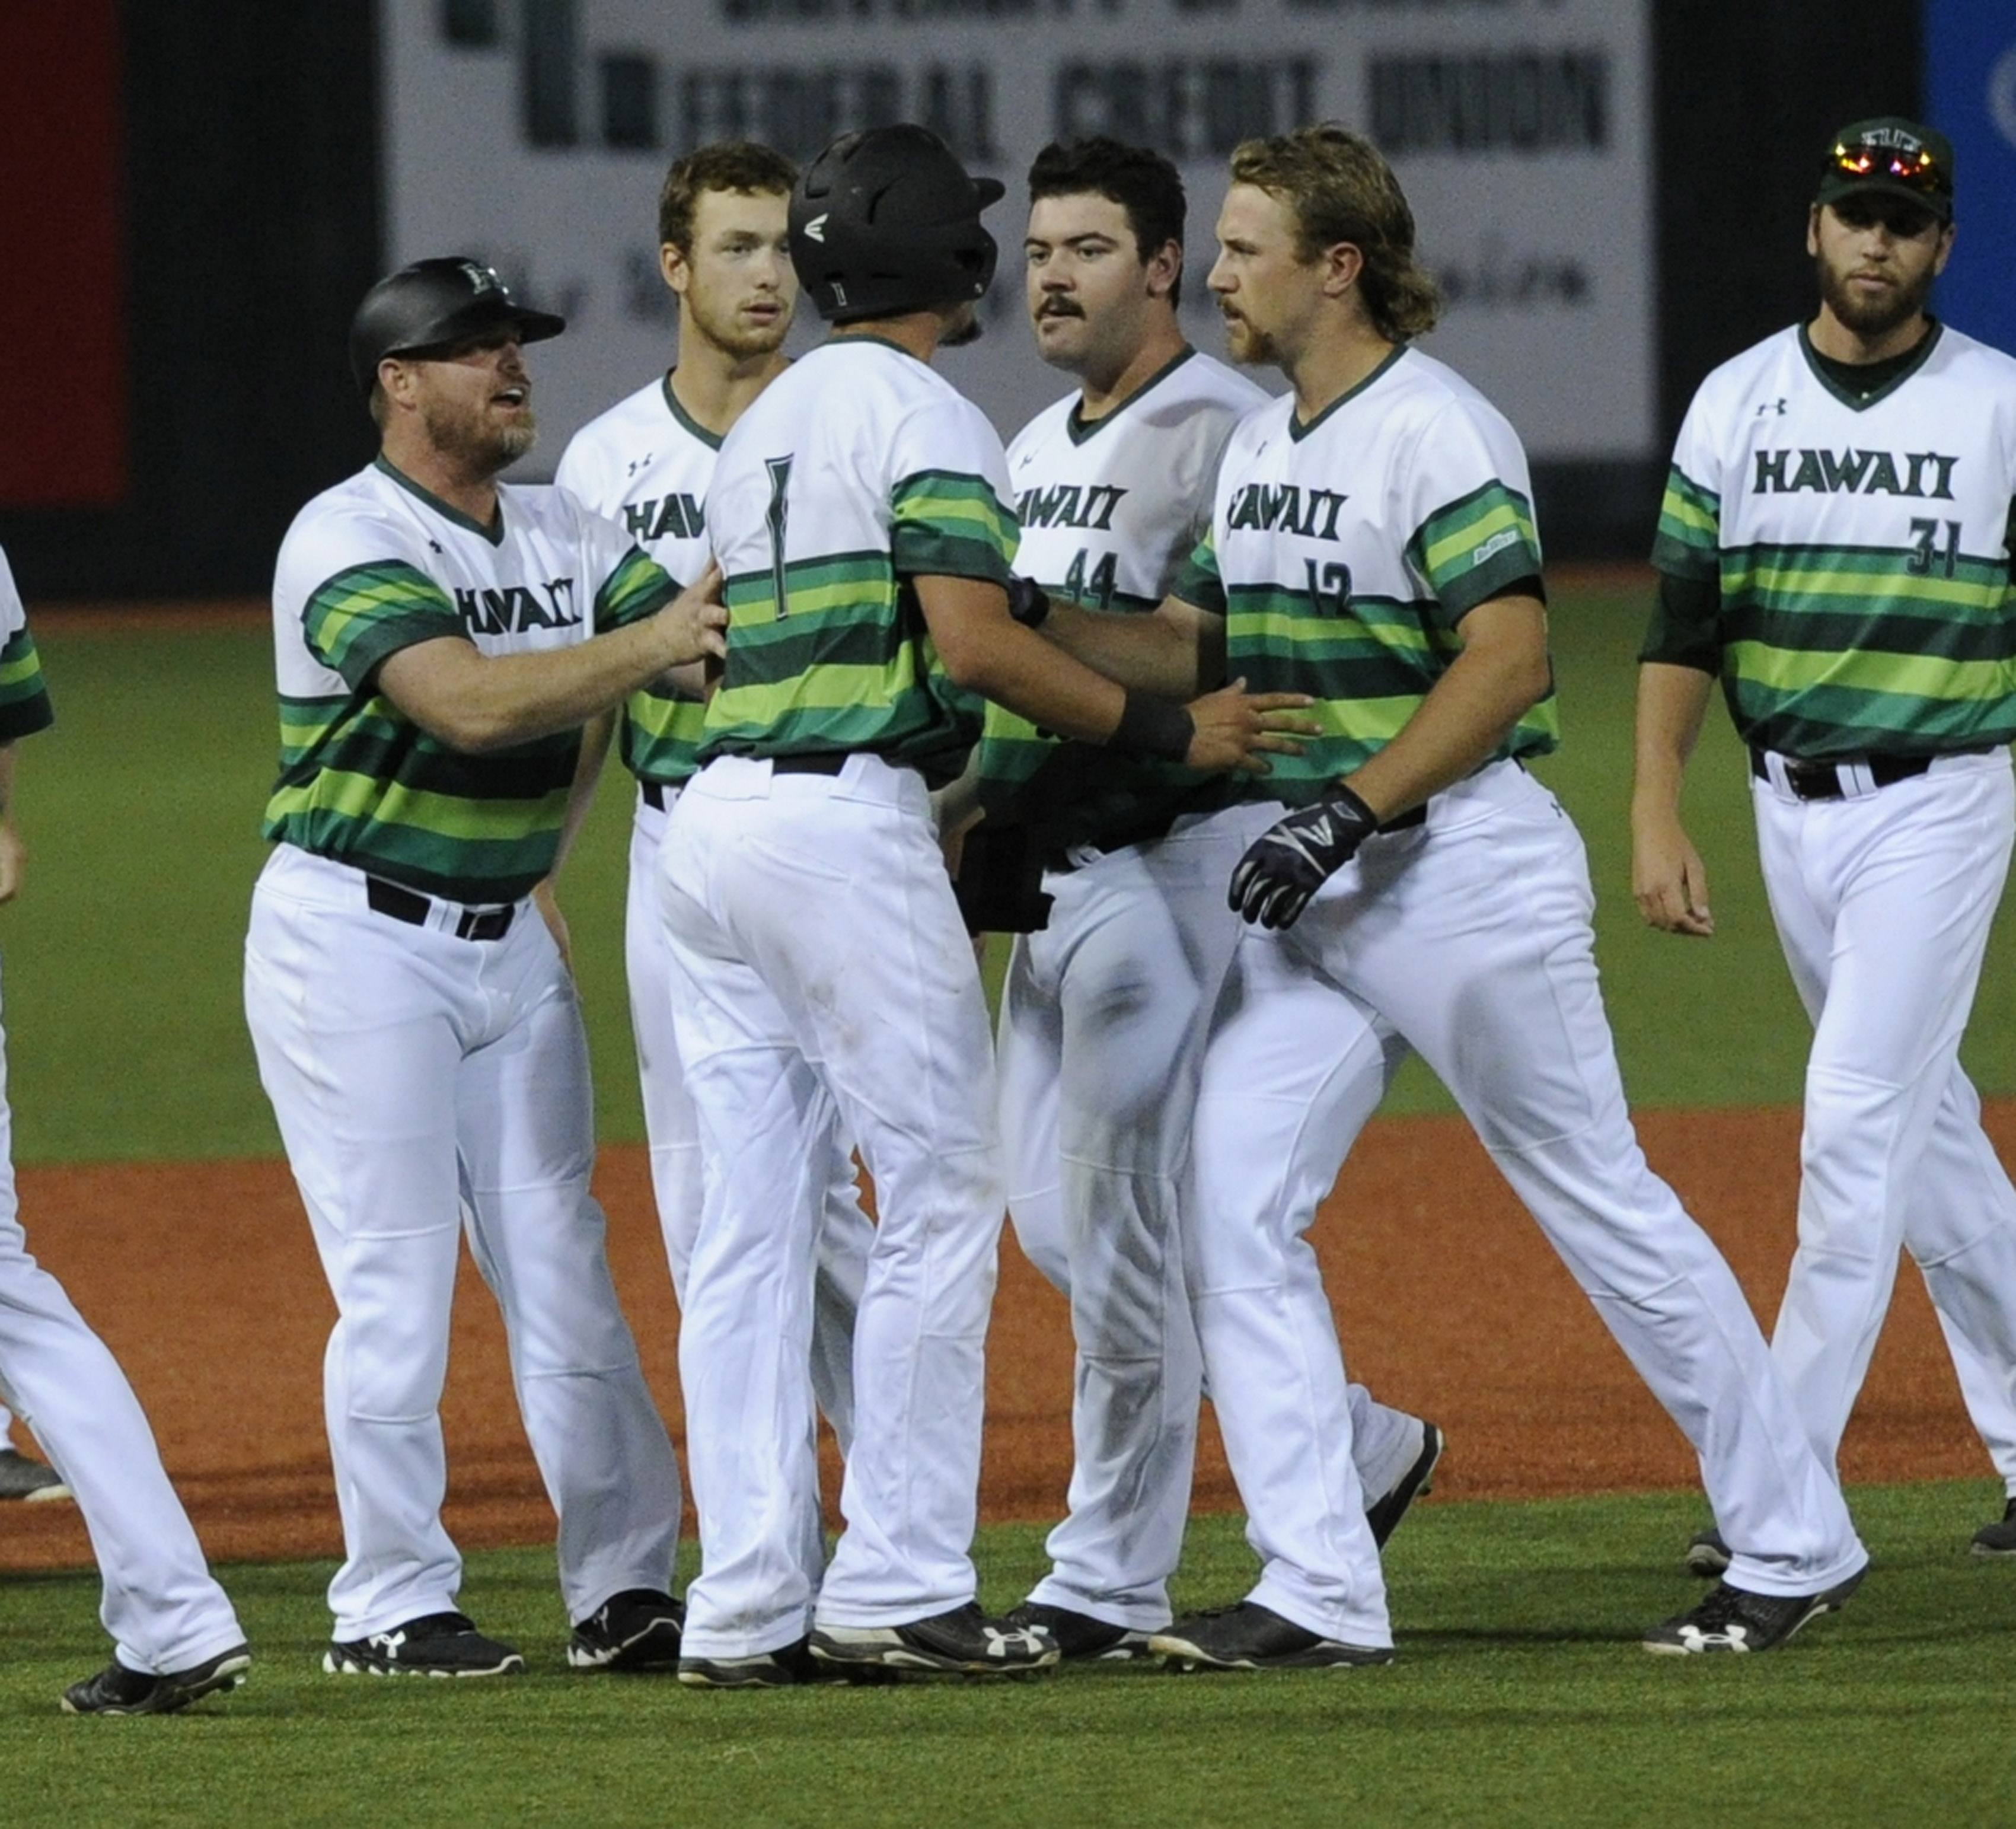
{"x": 1971, "y": 97}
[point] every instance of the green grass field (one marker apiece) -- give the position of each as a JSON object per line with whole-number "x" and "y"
{"x": 1520, "y": 1698}
{"x": 141, "y": 810}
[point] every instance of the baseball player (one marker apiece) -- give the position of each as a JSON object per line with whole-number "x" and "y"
{"x": 174, "y": 1635}
{"x": 1835, "y": 544}
{"x": 1372, "y": 543}
{"x": 441, "y": 637}
{"x": 647, "y": 462}
{"x": 21, "y": 1475}
{"x": 859, "y": 513}
{"x": 1103, "y": 1010}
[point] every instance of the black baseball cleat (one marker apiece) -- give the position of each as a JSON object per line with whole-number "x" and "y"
{"x": 638, "y": 1629}
{"x": 1249, "y": 1636}
{"x": 2000, "y": 1539}
{"x": 961, "y": 1643}
{"x": 1733, "y": 1619}
{"x": 786, "y": 1668}
{"x": 23, "y": 1477}
{"x": 1384, "y": 1513}
{"x": 437, "y": 1644}
{"x": 116, "y": 1690}
{"x": 1080, "y": 1638}
{"x": 1707, "y": 1555}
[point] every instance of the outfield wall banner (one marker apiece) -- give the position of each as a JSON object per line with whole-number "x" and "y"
{"x": 1970, "y": 96}
{"x": 535, "y": 133}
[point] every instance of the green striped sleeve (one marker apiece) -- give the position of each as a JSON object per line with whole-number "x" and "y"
{"x": 1690, "y": 537}
{"x": 638, "y": 587}
{"x": 1199, "y": 582}
{"x": 948, "y": 524}
{"x": 364, "y": 613}
{"x": 24, "y": 700}
{"x": 1476, "y": 547}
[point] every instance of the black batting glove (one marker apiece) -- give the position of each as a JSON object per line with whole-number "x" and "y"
{"x": 1293, "y": 858}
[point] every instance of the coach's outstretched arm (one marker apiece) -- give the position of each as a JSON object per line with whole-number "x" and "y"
{"x": 986, "y": 650}
{"x": 478, "y": 702}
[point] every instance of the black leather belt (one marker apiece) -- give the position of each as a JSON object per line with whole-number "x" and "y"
{"x": 654, "y": 795}
{"x": 1405, "y": 821}
{"x": 1822, "y": 781}
{"x": 401, "y": 904}
{"x": 829, "y": 764}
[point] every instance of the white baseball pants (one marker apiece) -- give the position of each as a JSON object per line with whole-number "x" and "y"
{"x": 825, "y": 983}
{"x": 162, "y": 1608}
{"x": 1883, "y": 903}
{"x": 415, "y": 1075}
{"x": 1103, "y": 1021}
{"x": 672, "y": 1132}
{"x": 1471, "y": 937}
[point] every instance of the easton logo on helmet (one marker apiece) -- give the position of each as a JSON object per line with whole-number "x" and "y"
{"x": 816, "y": 228}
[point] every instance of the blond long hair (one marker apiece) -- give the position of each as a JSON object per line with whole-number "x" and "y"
{"x": 1340, "y": 190}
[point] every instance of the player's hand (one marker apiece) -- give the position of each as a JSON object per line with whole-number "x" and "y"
{"x": 550, "y": 912}
{"x": 695, "y": 623}
{"x": 1294, "y": 857}
{"x": 1232, "y": 727}
{"x": 13, "y": 855}
{"x": 1668, "y": 880}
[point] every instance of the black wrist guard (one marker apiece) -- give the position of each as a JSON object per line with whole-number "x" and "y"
{"x": 1149, "y": 727}
{"x": 1027, "y": 602}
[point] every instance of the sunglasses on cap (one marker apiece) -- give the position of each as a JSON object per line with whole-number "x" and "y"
{"x": 1923, "y": 171}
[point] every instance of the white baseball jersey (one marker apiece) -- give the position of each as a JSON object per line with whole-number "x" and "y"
{"x": 646, "y": 463}
{"x": 1344, "y": 552}
{"x": 857, "y": 469}
{"x": 1862, "y": 546}
{"x": 377, "y": 564}
{"x": 1110, "y": 509}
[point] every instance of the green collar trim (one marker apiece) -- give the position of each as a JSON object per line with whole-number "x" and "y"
{"x": 1861, "y": 402}
{"x": 1299, "y": 431}
{"x": 710, "y": 440}
{"x": 493, "y": 533}
{"x": 1082, "y": 428}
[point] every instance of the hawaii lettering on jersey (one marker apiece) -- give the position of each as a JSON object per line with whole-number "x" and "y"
{"x": 1088, "y": 505}
{"x": 1312, "y": 513}
{"x": 1849, "y": 625}
{"x": 647, "y": 463}
{"x": 511, "y": 609}
{"x": 1927, "y": 474}
{"x": 665, "y": 517}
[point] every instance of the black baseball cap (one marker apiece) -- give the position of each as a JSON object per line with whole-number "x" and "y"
{"x": 432, "y": 304}
{"x": 1890, "y": 157}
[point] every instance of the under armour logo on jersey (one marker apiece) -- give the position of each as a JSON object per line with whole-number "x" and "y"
{"x": 637, "y": 463}
{"x": 1776, "y": 406}
{"x": 815, "y": 229}
{"x": 435, "y": 544}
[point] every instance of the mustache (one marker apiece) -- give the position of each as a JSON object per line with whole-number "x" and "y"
{"x": 1059, "y": 308}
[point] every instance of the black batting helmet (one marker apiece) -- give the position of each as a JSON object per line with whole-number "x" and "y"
{"x": 888, "y": 220}
{"x": 433, "y": 303}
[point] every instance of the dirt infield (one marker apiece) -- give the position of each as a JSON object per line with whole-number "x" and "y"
{"x": 202, "y": 1278}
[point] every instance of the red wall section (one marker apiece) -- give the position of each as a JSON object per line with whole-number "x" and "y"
{"x": 62, "y": 331}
